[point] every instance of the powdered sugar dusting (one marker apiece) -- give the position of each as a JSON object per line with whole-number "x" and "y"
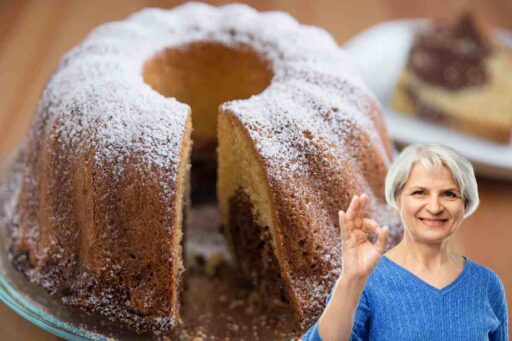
{"x": 97, "y": 108}
{"x": 99, "y": 93}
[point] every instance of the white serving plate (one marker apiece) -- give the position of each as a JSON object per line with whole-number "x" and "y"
{"x": 380, "y": 52}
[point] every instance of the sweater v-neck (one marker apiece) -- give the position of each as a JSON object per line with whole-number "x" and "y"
{"x": 413, "y": 277}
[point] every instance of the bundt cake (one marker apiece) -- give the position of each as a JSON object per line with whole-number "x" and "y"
{"x": 103, "y": 175}
{"x": 458, "y": 75}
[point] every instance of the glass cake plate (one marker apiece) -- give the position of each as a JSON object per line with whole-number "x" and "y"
{"x": 380, "y": 52}
{"x": 216, "y": 305}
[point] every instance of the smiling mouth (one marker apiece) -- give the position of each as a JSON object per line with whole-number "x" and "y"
{"x": 433, "y": 222}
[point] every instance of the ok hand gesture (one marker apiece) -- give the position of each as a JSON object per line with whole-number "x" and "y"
{"x": 360, "y": 256}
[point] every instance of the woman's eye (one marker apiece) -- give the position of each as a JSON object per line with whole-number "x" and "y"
{"x": 450, "y": 194}
{"x": 417, "y": 192}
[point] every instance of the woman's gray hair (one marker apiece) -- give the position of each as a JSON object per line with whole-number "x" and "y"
{"x": 432, "y": 156}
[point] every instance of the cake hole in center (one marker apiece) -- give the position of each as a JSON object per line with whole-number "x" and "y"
{"x": 204, "y": 75}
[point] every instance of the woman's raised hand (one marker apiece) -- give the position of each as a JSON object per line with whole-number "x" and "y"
{"x": 360, "y": 256}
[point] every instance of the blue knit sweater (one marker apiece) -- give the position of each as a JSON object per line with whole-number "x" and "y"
{"x": 397, "y": 305}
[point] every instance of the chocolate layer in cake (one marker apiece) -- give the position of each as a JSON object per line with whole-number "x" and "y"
{"x": 253, "y": 248}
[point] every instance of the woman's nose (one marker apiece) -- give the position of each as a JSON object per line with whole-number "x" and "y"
{"x": 434, "y": 205}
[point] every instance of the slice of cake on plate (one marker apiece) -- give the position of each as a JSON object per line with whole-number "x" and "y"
{"x": 459, "y": 75}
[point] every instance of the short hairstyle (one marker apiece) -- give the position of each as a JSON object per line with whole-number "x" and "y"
{"x": 432, "y": 156}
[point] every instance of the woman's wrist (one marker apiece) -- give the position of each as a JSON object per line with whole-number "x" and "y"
{"x": 353, "y": 278}
{"x": 352, "y": 282}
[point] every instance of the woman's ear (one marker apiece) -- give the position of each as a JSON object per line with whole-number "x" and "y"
{"x": 397, "y": 207}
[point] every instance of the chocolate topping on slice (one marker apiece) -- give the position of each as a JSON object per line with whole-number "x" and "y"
{"x": 451, "y": 56}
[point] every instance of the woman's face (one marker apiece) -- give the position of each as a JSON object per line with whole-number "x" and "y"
{"x": 431, "y": 205}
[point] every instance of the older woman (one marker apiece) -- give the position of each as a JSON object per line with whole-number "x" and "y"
{"x": 420, "y": 289}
